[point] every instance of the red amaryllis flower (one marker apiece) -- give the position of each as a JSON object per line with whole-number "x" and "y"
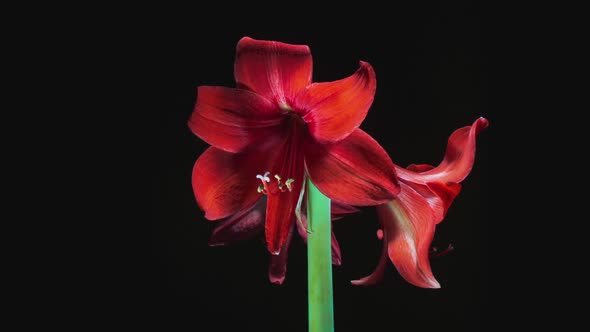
{"x": 277, "y": 128}
{"x": 250, "y": 222}
{"x": 409, "y": 220}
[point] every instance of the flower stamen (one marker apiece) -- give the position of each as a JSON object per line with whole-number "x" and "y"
{"x": 288, "y": 184}
{"x": 280, "y": 185}
{"x": 265, "y": 187}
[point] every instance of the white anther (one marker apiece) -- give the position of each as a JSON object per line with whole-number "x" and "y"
{"x": 264, "y": 177}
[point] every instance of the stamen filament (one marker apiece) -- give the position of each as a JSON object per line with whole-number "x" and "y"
{"x": 264, "y": 187}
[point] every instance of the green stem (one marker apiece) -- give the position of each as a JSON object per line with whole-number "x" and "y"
{"x": 319, "y": 261}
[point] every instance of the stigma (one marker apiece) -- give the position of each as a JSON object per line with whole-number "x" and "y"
{"x": 267, "y": 186}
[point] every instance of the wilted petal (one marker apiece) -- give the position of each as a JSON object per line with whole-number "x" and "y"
{"x": 333, "y": 110}
{"x": 273, "y": 69}
{"x": 232, "y": 119}
{"x": 409, "y": 225}
{"x": 458, "y": 160}
{"x": 241, "y": 226}
{"x": 355, "y": 171}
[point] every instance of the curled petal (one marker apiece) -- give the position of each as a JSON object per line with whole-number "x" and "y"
{"x": 419, "y": 168}
{"x": 278, "y": 263}
{"x": 354, "y": 171}
{"x": 273, "y": 69}
{"x": 439, "y": 196}
{"x": 241, "y": 226}
{"x": 445, "y": 194}
{"x": 409, "y": 222}
{"x": 458, "y": 160}
{"x": 225, "y": 183}
{"x": 333, "y": 110}
{"x": 232, "y": 119}
{"x": 378, "y": 273}
{"x": 409, "y": 225}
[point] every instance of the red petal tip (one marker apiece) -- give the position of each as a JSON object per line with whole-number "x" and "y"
{"x": 248, "y": 41}
{"x": 365, "y": 64}
{"x": 211, "y": 216}
{"x": 245, "y": 38}
{"x": 277, "y": 281}
{"x": 481, "y": 123}
{"x": 360, "y": 282}
{"x": 432, "y": 283}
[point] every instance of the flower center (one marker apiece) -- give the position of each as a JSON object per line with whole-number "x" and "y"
{"x": 285, "y": 107}
{"x": 268, "y": 187}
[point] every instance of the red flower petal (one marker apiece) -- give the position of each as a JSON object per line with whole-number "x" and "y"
{"x": 377, "y": 274}
{"x": 278, "y": 263}
{"x": 232, "y": 119}
{"x": 280, "y": 208}
{"x": 334, "y": 110}
{"x": 275, "y": 70}
{"x": 340, "y": 210}
{"x": 225, "y": 183}
{"x": 409, "y": 227}
{"x": 355, "y": 171}
{"x": 439, "y": 196}
{"x": 458, "y": 160}
{"x": 336, "y": 255}
{"x": 419, "y": 168}
{"x": 409, "y": 224}
{"x": 445, "y": 193}
{"x": 241, "y": 226}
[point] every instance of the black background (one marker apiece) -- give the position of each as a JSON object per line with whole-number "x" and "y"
{"x": 433, "y": 76}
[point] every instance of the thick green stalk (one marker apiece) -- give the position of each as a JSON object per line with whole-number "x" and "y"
{"x": 319, "y": 261}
